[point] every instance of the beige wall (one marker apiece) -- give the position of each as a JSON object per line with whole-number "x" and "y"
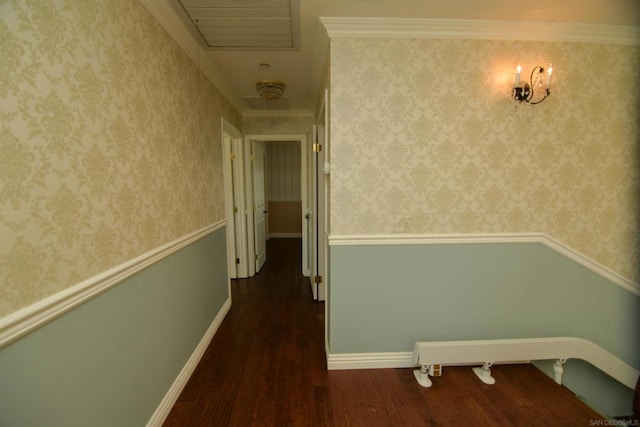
{"x": 277, "y": 125}
{"x": 282, "y": 171}
{"x": 425, "y": 140}
{"x": 285, "y": 217}
{"x": 110, "y": 143}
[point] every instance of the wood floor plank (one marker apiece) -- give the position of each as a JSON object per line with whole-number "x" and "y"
{"x": 266, "y": 366}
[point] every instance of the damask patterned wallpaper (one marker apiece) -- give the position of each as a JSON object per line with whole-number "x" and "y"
{"x": 277, "y": 125}
{"x": 425, "y": 140}
{"x": 110, "y": 143}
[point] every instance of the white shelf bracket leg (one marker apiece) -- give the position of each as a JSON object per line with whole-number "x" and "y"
{"x": 422, "y": 375}
{"x": 558, "y": 370}
{"x": 484, "y": 373}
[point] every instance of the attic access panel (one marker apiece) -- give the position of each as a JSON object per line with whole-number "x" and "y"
{"x": 246, "y": 24}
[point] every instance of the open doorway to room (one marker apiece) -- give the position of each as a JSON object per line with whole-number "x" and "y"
{"x": 283, "y": 189}
{"x": 276, "y": 191}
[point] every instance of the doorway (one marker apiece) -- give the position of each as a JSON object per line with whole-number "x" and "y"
{"x": 260, "y": 200}
{"x": 263, "y": 187}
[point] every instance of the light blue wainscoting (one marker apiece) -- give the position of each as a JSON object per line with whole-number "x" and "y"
{"x": 384, "y": 298}
{"x": 110, "y": 361}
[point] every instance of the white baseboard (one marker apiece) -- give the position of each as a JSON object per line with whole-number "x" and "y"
{"x": 503, "y": 352}
{"x": 369, "y": 360}
{"x": 391, "y": 360}
{"x": 169, "y": 400}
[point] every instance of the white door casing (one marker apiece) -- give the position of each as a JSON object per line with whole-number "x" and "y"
{"x": 324, "y": 288}
{"x": 259, "y": 204}
{"x": 241, "y": 211}
{"x": 315, "y": 217}
{"x": 234, "y": 201}
{"x": 227, "y": 142}
{"x": 324, "y": 292}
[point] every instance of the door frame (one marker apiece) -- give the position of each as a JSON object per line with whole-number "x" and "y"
{"x": 324, "y": 291}
{"x": 318, "y": 215}
{"x": 234, "y": 191}
{"x": 256, "y": 212}
{"x": 294, "y": 138}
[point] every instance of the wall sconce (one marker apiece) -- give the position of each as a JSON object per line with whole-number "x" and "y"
{"x": 538, "y": 88}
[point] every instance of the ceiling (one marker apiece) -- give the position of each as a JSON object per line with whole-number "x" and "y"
{"x": 265, "y": 23}
{"x": 245, "y": 24}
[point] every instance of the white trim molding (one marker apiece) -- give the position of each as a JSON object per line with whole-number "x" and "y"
{"x": 163, "y": 410}
{"x": 498, "y": 238}
{"x": 417, "y": 28}
{"x": 502, "y": 352}
{"x": 369, "y": 360}
{"x": 21, "y": 322}
{"x": 390, "y": 360}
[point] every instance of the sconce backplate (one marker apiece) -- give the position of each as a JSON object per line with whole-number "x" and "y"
{"x": 522, "y": 92}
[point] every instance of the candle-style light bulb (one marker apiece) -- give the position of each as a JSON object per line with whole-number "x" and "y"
{"x": 518, "y": 74}
{"x": 549, "y": 72}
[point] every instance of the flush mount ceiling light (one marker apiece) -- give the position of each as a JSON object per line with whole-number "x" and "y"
{"x": 270, "y": 89}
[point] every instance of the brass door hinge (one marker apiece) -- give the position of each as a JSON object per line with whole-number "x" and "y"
{"x": 317, "y": 279}
{"x": 233, "y": 156}
{"x": 317, "y": 148}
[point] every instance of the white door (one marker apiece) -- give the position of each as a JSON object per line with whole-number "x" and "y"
{"x": 320, "y": 211}
{"x": 260, "y": 206}
{"x": 319, "y": 228}
{"x": 230, "y": 203}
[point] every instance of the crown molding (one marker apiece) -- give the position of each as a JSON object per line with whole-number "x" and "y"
{"x": 479, "y": 30}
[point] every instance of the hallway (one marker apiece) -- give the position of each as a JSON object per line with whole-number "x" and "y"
{"x": 266, "y": 367}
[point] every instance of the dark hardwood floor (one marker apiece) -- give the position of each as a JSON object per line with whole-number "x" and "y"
{"x": 266, "y": 367}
